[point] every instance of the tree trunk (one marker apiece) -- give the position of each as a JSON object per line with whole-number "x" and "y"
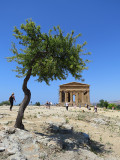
{"x": 25, "y": 102}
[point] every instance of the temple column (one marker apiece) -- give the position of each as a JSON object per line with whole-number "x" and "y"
{"x": 60, "y": 99}
{"x": 76, "y": 98}
{"x": 79, "y": 97}
{"x": 71, "y": 97}
{"x": 66, "y": 97}
{"x": 82, "y": 97}
{"x": 88, "y": 97}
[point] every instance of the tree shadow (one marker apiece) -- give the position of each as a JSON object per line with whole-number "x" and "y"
{"x": 70, "y": 140}
{"x": 96, "y": 147}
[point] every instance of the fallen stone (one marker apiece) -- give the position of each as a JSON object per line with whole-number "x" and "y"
{"x": 59, "y": 128}
{"x": 10, "y": 130}
{"x": 66, "y": 129}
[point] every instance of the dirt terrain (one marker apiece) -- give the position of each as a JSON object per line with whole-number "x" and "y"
{"x": 102, "y": 127}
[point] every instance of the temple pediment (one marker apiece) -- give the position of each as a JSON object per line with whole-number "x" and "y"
{"x": 74, "y": 84}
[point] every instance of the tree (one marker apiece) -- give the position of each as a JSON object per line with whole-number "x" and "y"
{"x": 37, "y": 103}
{"x": 48, "y": 57}
{"x": 106, "y": 104}
{"x": 101, "y": 103}
{"x": 111, "y": 105}
{"x": 4, "y": 103}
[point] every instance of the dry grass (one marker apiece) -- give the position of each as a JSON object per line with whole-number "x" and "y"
{"x": 104, "y": 132}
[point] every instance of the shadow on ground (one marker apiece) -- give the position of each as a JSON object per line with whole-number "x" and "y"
{"x": 69, "y": 140}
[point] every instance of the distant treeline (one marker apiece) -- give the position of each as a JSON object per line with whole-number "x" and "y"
{"x": 103, "y": 103}
{"x": 4, "y": 103}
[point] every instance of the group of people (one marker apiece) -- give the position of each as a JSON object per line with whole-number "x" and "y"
{"x": 67, "y": 105}
{"x": 87, "y": 106}
{"x": 48, "y": 104}
{"x": 94, "y": 109}
{"x": 12, "y": 99}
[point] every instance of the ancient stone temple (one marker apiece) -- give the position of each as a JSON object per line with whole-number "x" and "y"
{"x": 74, "y": 93}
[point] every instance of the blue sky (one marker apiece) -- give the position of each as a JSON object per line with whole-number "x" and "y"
{"x": 99, "y": 23}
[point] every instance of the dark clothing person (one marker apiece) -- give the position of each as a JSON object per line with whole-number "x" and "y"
{"x": 11, "y": 99}
{"x": 48, "y": 104}
{"x": 95, "y": 108}
{"x": 67, "y": 106}
{"x": 87, "y": 106}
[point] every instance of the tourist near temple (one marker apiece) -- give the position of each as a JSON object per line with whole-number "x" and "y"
{"x": 74, "y": 93}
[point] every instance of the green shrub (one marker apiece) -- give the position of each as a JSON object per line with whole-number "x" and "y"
{"x": 111, "y": 105}
{"x": 4, "y": 103}
{"x": 37, "y": 103}
{"x": 117, "y": 107}
{"x": 102, "y": 103}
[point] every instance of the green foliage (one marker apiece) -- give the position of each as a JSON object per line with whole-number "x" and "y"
{"x": 111, "y": 105}
{"x": 37, "y": 104}
{"x": 67, "y": 120}
{"x": 117, "y": 107}
{"x": 4, "y": 103}
{"x": 106, "y": 104}
{"x": 50, "y": 56}
{"x": 103, "y": 103}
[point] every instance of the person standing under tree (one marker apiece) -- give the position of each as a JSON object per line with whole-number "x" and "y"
{"x": 11, "y": 99}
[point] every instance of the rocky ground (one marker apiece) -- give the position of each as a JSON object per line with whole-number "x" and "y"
{"x": 57, "y": 134}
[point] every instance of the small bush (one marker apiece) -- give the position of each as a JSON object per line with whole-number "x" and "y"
{"x": 5, "y": 103}
{"x": 37, "y": 103}
{"x": 102, "y": 103}
{"x": 111, "y": 105}
{"x": 67, "y": 120}
{"x": 117, "y": 107}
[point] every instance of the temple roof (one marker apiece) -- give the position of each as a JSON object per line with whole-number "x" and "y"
{"x": 74, "y": 84}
